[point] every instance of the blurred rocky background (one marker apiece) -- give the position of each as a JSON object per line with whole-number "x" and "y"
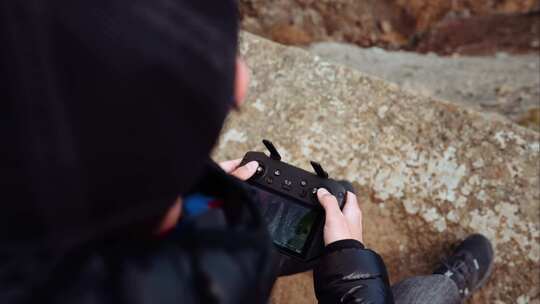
{"x": 469, "y": 27}
{"x": 430, "y": 107}
{"x": 501, "y": 36}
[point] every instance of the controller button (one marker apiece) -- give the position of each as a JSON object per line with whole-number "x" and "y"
{"x": 260, "y": 170}
{"x": 340, "y": 194}
{"x": 286, "y": 184}
{"x": 303, "y": 183}
{"x": 314, "y": 197}
{"x": 277, "y": 172}
{"x": 269, "y": 180}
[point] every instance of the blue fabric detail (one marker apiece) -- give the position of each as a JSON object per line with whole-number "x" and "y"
{"x": 192, "y": 206}
{"x": 196, "y": 204}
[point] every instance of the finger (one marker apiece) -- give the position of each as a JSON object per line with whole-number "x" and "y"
{"x": 353, "y": 215}
{"x": 246, "y": 171}
{"x": 230, "y": 165}
{"x": 335, "y": 226}
{"x": 351, "y": 210}
{"x": 329, "y": 203}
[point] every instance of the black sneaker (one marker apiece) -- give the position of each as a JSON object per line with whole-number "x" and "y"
{"x": 470, "y": 265}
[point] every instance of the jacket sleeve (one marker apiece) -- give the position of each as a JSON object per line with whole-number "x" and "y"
{"x": 349, "y": 273}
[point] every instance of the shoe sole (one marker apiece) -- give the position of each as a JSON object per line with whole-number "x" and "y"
{"x": 484, "y": 279}
{"x": 487, "y": 275}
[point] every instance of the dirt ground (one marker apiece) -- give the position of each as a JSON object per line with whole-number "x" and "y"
{"x": 460, "y": 26}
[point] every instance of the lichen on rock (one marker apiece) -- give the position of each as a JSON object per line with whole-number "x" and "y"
{"x": 427, "y": 172}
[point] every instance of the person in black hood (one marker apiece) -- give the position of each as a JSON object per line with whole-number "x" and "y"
{"x": 110, "y": 110}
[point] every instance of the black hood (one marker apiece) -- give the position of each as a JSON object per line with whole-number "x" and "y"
{"x": 109, "y": 110}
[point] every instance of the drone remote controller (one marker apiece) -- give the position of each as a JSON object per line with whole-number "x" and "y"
{"x": 289, "y": 203}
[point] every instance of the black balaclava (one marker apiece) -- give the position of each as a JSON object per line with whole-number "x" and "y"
{"x": 108, "y": 112}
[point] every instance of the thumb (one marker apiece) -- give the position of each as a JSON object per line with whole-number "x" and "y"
{"x": 335, "y": 226}
{"x": 246, "y": 171}
{"x": 329, "y": 203}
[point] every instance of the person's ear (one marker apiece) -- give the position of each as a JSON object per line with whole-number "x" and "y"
{"x": 241, "y": 82}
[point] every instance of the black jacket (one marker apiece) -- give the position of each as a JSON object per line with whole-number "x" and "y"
{"x": 349, "y": 273}
{"x": 229, "y": 261}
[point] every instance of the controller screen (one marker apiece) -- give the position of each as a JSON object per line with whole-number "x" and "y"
{"x": 289, "y": 222}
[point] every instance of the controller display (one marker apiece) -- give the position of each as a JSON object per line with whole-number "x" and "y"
{"x": 290, "y": 223}
{"x": 289, "y": 204}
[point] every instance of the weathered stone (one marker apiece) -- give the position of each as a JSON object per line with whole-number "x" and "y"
{"x": 504, "y": 84}
{"x": 427, "y": 172}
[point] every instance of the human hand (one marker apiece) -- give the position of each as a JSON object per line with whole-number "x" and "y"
{"x": 340, "y": 225}
{"x": 241, "y": 172}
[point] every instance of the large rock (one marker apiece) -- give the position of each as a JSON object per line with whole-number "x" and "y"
{"x": 427, "y": 172}
{"x": 505, "y": 84}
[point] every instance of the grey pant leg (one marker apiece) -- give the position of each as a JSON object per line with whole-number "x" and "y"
{"x": 432, "y": 289}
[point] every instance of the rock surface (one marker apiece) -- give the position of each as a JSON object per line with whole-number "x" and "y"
{"x": 442, "y": 26}
{"x": 504, "y": 84}
{"x": 428, "y": 172}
